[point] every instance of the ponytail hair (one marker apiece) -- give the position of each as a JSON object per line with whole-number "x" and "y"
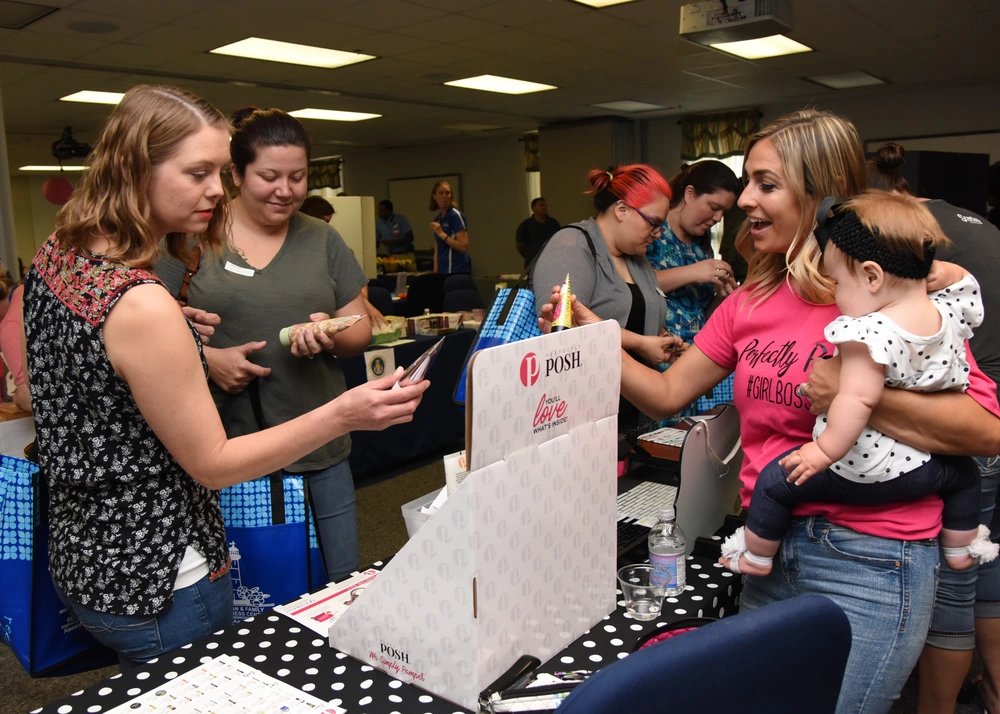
{"x": 885, "y": 169}
{"x": 706, "y": 176}
{"x": 633, "y": 184}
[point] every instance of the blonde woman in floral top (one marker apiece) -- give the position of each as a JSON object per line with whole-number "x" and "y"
{"x": 128, "y": 435}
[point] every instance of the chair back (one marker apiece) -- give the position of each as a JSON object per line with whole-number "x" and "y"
{"x": 459, "y": 281}
{"x": 425, "y": 292}
{"x": 462, "y": 299}
{"x": 383, "y": 281}
{"x": 788, "y": 656}
{"x": 380, "y": 298}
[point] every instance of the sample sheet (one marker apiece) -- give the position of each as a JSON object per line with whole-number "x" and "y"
{"x": 225, "y": 685}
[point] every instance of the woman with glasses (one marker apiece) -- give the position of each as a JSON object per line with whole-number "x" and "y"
{"x": 605, "y": 257}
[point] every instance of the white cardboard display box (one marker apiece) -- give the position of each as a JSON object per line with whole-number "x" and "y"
{"x": 521, "y": 558}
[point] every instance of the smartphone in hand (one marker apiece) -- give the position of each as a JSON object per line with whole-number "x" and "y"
{"x": 418, "y": 369}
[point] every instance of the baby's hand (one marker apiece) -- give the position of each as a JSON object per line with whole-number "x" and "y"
{"x": 805, "y": 462}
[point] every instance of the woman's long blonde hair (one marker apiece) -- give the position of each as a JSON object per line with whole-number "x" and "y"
{"x": 821, "y": 155}
{"x": 112, "y": 199}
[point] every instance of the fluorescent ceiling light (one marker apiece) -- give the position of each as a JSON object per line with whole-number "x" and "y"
{"x": 602, "y": 3}
{"x": 35, "y": 167}
{"x": 504, "y": 85}
{"x": 332, "y": 115}
{"x": 846, "y": 80}
{"x": 773, "y": 46}
{"x": 290, "y": 53}
{"x": 628, "y": 105}
{"x": 91, "y": 97}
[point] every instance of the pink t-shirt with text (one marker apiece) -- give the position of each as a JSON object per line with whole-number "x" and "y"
{"x": 771, "y": 347}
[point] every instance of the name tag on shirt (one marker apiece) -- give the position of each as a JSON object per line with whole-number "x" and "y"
{"x": 233, "y": 268}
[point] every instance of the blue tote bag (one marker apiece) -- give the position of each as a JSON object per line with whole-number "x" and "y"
{"x": 511, "y": 318}
{"x": 272, "y": 543}
{"x": 272, "y": 538}
{"x": 44, "y": 636}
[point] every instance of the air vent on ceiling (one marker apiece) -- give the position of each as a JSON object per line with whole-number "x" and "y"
{"x": 18, "y": 15}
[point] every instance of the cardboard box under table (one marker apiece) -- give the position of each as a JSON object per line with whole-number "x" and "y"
{"x": 521, "y": 558}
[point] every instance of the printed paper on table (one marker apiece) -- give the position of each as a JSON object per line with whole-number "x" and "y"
{"x": 320, "y": 609}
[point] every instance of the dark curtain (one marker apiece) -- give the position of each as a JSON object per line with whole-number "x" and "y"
{"x": 717, "y": 135}
{"x": 325, "y": 172}
{"x": 531, "y": 152}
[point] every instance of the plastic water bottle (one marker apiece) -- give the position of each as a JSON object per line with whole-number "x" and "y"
{"x": 666, "y": 553}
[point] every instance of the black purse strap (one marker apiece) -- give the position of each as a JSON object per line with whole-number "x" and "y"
{"x": 277, "y": 482}
{"x": 276, "y": 478}
{"x": 526, "y": 278}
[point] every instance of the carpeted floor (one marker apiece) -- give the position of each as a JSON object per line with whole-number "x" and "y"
{"x": 382, "y": 534}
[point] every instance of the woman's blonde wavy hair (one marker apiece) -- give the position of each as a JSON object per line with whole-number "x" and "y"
{"x": 821, "y": 155}
{"x": 112, "y": 199}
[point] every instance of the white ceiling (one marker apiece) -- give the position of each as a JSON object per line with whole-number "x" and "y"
{"x": 630, "y": 51}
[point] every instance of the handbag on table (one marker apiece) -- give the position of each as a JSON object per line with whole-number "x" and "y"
{"x": 44, "y": 635}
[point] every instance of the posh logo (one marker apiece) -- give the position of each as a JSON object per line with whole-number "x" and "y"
{"x": 530, "y": 369}
{"x": 562, "y": 363}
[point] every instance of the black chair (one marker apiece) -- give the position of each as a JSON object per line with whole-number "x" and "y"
{"x": 785, "y": 657}
{"x": 463, "y": 299}
{"x": 425, "y": 292}
{"x": 459, "y": 281}
{"x": 387, "y": 282}
{"x": 380, "y": 298}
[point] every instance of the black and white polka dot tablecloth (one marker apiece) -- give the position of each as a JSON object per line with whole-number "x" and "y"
{"x": 281, "y": 648}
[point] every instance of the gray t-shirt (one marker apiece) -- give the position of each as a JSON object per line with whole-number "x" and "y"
{"x": 976, "y": 247}
{"x": 313, "y": 271}
{"x": 594, "y": 280}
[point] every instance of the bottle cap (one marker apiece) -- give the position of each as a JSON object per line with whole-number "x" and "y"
{"x": 667, "y": 514}
{"x": 285, "y": 337}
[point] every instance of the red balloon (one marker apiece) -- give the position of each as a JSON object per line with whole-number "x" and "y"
{"x": 57, "y": 190}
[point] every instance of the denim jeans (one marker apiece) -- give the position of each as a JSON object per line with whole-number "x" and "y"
{"x": 331, "y": 495}
{"x": 964, "y": 595}
{"x": 886, "y": 588}
{"x": 196, "y": 611}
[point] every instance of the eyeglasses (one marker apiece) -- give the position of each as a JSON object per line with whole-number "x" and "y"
{"x": 655, "y": 226}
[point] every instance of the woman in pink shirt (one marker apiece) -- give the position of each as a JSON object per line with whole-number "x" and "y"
{"x": 877, "y": 562}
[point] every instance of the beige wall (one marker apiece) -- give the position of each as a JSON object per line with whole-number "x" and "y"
{"x": 34, "y": 217}
{"x": 494, "y": 190}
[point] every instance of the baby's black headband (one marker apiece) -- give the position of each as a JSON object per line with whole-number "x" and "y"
{"x": 851, "y": 236}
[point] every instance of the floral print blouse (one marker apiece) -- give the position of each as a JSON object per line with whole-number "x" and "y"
{"x": 121, "y": 510}
{"x": 686, "y": 306}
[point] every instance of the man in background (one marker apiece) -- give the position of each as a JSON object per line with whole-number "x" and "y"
{"x": 317, "y": 207}
{"x": 393, "y": 230}
{"x": 535, "y": 230}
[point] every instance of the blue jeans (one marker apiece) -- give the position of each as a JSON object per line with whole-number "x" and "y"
{"x": 886, "y": 588}
{"x": 331, "y": 496}
{"x": 196, "y": 611}
{"x": 964, "y": 595}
